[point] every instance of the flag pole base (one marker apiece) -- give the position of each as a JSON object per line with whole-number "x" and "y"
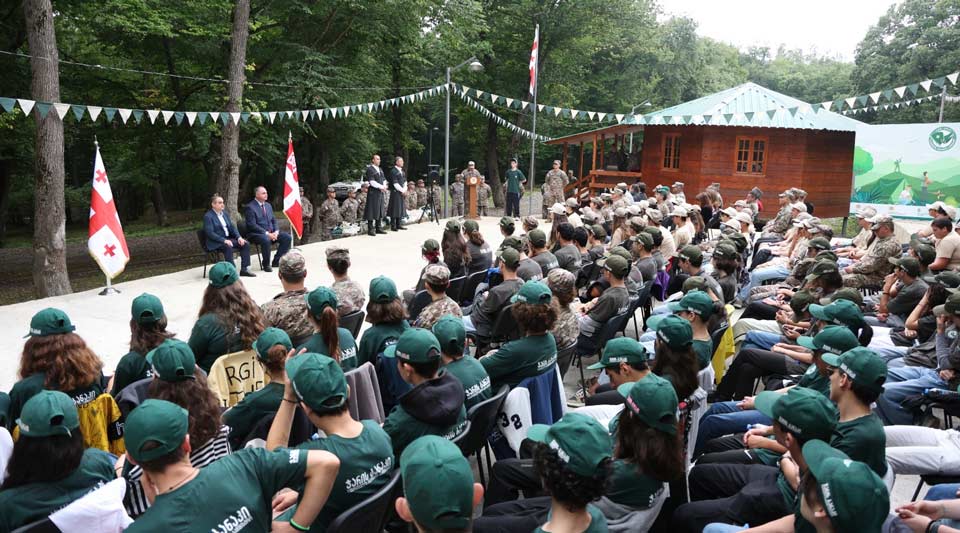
{"x": 109, "y": 289}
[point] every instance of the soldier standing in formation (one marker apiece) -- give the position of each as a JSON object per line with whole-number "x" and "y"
{"x": 555, "y": 181}
{"x": 350, "y": 209}
{"x": 456, "y": 192}
{"x": 398, "y": 183}
{"x": 412, "y": 198}
{"x": 437, "y": 195}
{"x": 484, "y": 192}
{"x": 422, "y": 194}
{"x": 306, "y": 206}
{"x": 329, "y": 214}
{"x": 373, "y": 196}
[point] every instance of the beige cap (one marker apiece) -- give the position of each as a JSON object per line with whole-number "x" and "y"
{"x": 558, "y": 209}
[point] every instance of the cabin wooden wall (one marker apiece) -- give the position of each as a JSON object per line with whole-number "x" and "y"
{"x": 821, "y": 162}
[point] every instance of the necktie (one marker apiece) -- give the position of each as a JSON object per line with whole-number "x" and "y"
{"x": 264, "y": 209}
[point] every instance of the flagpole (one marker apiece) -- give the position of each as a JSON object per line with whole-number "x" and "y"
{"x": 293, "y": 234}
{"x": 533, "y": 137}
{"x": 109, "y": 289}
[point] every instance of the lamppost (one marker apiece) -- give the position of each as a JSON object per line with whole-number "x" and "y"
{"x": 475, "y": 66}
{"x": 645, "y": 103}
{"x": 430, "y": 150}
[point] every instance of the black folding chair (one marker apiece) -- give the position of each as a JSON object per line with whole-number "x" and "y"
{"x": 209, "y": 257}
{"x": 372, "y": 514}
{"x": 586, "y": 274}
{"x": 353, "y": 321}
{"x": 483, "y": 418}
{"x": 242, "y": 230}
{"x": 595, "y": 343}
{"x": 643, "y": 303}
{"x": 470, "y": 287}
{"x": 301, "y": 429}
{"x": 420, "y": 300}
{"x": 456, "y": 288}
{"x": 565, "y": 357}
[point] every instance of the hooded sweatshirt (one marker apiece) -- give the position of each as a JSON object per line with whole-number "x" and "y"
{"x": 434, "y": 407}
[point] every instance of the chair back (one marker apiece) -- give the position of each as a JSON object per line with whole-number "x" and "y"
{"x": 586, "y": 274}
{"x": 470, "y": 286}
{"x": 202, "y": 238}
{"x": 717, "y": 335}
{"x": 456, "y": 288}
{"x": 242, "y": 227}
{"x": 353, "y": 321}
{"x": 482, "y": 417}
{"x": 420, "y": 300}
{"x": 301, "y": 429}
{"x": 565, "y": 357}
{"x": 505, "y": 327}
{"x": 461, "y": 437}
{"x": 615, "y": 325}
{"x": 40, "y": 526}
{"x": 370, "y": 515}
{"x": 234, "y": 375}
{"x": 133, "y": 395}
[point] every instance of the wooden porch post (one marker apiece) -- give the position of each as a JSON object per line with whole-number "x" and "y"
{"x": 581, "y": 159}
{"x": 603, "y": 148}
{"x": 593, "y": 166}
{"x": 564, "y": 159}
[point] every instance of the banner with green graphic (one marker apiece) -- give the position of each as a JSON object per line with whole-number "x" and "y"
{"x": 901, "y": 168}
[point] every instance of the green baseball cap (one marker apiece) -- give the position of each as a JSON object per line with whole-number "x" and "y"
{"x": 450, "y": 333}
{"x": 739, "y": 240}
{"x": 470, "y": 226}
{"x": 598, "y": 231}
{"x": 622, "y": 252}
{"x": 801, "y": 301}
{"x": 839, "y": 312}
{"x": 48, "y": 413}
{"x": 821, "y": 268}
{"x": 804, "y": 412}
{"x": 415, "y": 346}
{"x": 863, "y": 365}
{"x": 319, "y": 299}
{"x": 694, "y": 283}
{"x": 826, "y": 255}
{"x": 725, "y": 250}
{"x": 696, "y": 302}
{"x": 854, "y": 496}
{"x": 676, "y": 332}
{"x": 654, "y": 400}
{"x": 621, "y": 350}
{"x": 509, "y": 256}
{"x": 908, "y": 264}
{"x": 172, "y": 361}
{"x": 652, "y": 230}
{"x": 382, "y": 290}
{"x": 925, "y": 252}
{"x": 438, "y": 483}
{"x": 534, "y": 293}
{"x": 453, "y": 225}
{"x": 430, "y": 245}
{"x": 317, "y": 380}
{"x": 511, "y": 242}
{"x": 506, "y": 222}
{"x": 223, "y": 274}
{"x": 146, "y": 309}
{"x": 690, "y": 253}
{"x": 849, "y": 294}
{"x": 831, "y": 339}
{"x": 537, "y": 238}
{"x": 819, "y": 243}
{"x": 579, "y": 440}
{"x": 158, "y": 421}
{"x": 49, "y": 321}
{"x": 644, "y": 239}
{"x": 270, "y": 338}
{"x": 950, "y": 307}
{"x": 948, "y": 278}
{"x": 616, "y": 264}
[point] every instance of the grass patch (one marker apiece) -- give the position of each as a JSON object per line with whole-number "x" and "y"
{"x": 177, "y": 222}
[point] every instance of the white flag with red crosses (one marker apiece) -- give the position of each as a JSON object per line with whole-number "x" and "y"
{"x": 106, "y": 243}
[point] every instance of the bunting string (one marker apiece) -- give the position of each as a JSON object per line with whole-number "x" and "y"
{"x": 500, "y": 120}
{"x": 895, "y": 105}
{"x": 894, "y": 95}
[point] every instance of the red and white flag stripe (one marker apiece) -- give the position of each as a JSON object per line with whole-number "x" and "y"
{"x": 291, "y": 192}
{"x": 533, "y": 60}
{"x": 105, "y": 241}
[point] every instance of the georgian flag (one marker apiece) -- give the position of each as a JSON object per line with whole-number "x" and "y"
{"x": 106, "y": 242}
{"x": 291, "y": 191}
{"x": 533, "y": 60}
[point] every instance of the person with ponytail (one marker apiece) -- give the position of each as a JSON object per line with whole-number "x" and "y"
{"x": 272, "y": 347}
{"x": 697, "y": 307}
{"x": 148, "y": 328}
{"x": 330, "y": 339}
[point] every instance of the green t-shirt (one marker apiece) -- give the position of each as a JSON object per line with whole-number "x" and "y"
{"x": 211, "y": 338}
{"x": 227, "y": 495}
{"x": 244, "y": 416}
{"x": 514, "y": 177}
{"x": 598, "y": 522}
{"x": 812, "y": 379}
{"x": 476, "y": 382}
{"x": 29, "y": 386}
{"x": 863, "y": 439}
{"x": 523, "y": 358}
{"x": 28, "y": 503}
{"x": 366, "y": 462}
{"x": 378, "y": 337}
{"x": 704, "y": 351}
{"x": 628, "y": 486}
{"x": 348, "y": 348}
{"x": 132, "y": 367}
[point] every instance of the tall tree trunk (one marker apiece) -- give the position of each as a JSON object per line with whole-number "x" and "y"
{"x": 49, "y": 233}
{"x": 228, "y": 184}
{"x": 493, "y": 165}
{"x": 159, "y": 207}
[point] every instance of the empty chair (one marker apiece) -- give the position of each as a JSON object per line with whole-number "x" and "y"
{"x": 353, "y": 322}
{"x": 483, "y": 418}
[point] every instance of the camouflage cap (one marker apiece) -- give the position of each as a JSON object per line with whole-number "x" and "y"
{"x": 436, "y": 274}
{"x": 528, "y": 221}
{"x": 293, "y": 263}
{"x": 881, "y": 220}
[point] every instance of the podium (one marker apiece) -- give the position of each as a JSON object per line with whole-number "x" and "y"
{"x": 472, "y": 183}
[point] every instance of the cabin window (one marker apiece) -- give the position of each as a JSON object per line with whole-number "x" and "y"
{"x": 751, "y": 155}
{"x": 671, "y": 151}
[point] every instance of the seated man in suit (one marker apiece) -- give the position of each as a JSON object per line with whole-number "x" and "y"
{"x": 222, "y": 235}
{"x": 262, "y": 228}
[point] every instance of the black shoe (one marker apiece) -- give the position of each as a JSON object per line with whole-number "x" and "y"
{"x": 371, "y": 233}
{"x": 247, "y": 274}
{"x": 402, "y": 228}
{"x": 267, "y": 269}
{"x": 380, "y": 232}
{"x": 275, "y": 264}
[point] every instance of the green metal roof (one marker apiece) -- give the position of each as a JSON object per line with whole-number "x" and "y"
{"x": 748, "y": 105}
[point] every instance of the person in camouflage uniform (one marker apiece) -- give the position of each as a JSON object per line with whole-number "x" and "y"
{"x": 411, "y": 198}
{"x": 562, "y": 284}
{"x": 875, "y": 265}
{"x": 306, "y": 207}
{"x": 288, "y": 310}
{"x": 422, "y": 194}
{"x": 350, "y": 210}
{"x": 329, "y": 215}
{"x": 470, "y": 172}
{"x": 362, "y": 198}
{"x": 546, "y": 201}
{"x": 436, "y": 280}
{"x": 457, "y": 192}
{"x": 484, "y": 193}
{"x": 781, "y": 223}
{"x": 556, "y": 180}
{"x": 350, "y": 295}
{"x": 437, "y": 197}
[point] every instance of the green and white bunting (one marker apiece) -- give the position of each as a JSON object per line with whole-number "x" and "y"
{"x": 894, "y": 105}
{"x": 500, "y": 120}
{"x": 891, "y": 97}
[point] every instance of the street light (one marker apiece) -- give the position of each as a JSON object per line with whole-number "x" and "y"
{"x": 645, "y": 103}
{"x": 430, "y": 150}
{"x": 474, "y": 66}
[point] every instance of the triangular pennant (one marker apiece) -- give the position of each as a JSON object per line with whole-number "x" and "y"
{"x": 926, "y": 84}
{"x": 289, "y": 114}
{"x": 245, "y": 117}
{"x": 875, "y": 97}
{"x": 939, "y": 82}
{"x": 793, "y": 111}
{"x": 62, "y": 110}
{"x": 479, "y": 93}
{"x": 686, "y": 118}
{"x": 619, "y": 117}
{"x": 913, "y": 88}
{"x": 849, "y": 102}
{"x": 601, "y": 116}
{"x": 26, "y": 105}
{"x": 137, "y": 115}
{"x": 202, "y": 116}
{"x": 78, "y": 111}
{"x": 151, "y": 114}
{"x": 125, "y": 114}
{"x": 557, "y": 111}
{"x": 826, "y": 105}
{"x": 591, "y": 114}
{"x": 109, "y": 112}
{"x": 509, "y": 102}
{"x": 167, "y": 115}
{"x": 178, "y": 117}
{"x": 749, "y": 115}
{"x": 493, "y": 98}
{"x": 952, "y": 78}
{"x": 771, "y": 113}
{"x": 42, "y": 109}
{"x": 191, "y": 116}
{"x": 524, "y": 105}
{"x": 707, "y": 119}
{"x": 346, "y": 111}
{"x": 728, "y": 117}
{"x": 224, "y": 117}
{"x": 235, "y": 117}
{"x": 900, "y": 90}
{"x": 861, "y": 100}
{"x": 271, "y": 115}
{"x": 214, "y": 116}
{"x": 540, "y": 107}
{"x": 8, "y": 104}
{"x": 94, "y": 112}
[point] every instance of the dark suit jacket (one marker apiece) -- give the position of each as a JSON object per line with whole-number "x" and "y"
{"x": 214, "y": 230}
{"x": 256, "y": 221}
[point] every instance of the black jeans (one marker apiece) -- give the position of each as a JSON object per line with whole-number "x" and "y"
{"x": 760, "y": 311}
{"x": 728, "y": 449}
{"x": 244, "y": 253}
{"x": 521, "y": 516}
{"x": 605, "y": 395}
{"x": 747, "y": 366}
{"x": 731, "y": 494}
{"x": 513, "y": 204}
{"x": 507, "y": 478}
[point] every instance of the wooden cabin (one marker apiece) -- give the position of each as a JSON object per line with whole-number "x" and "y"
{"x": 741, "y": 138}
